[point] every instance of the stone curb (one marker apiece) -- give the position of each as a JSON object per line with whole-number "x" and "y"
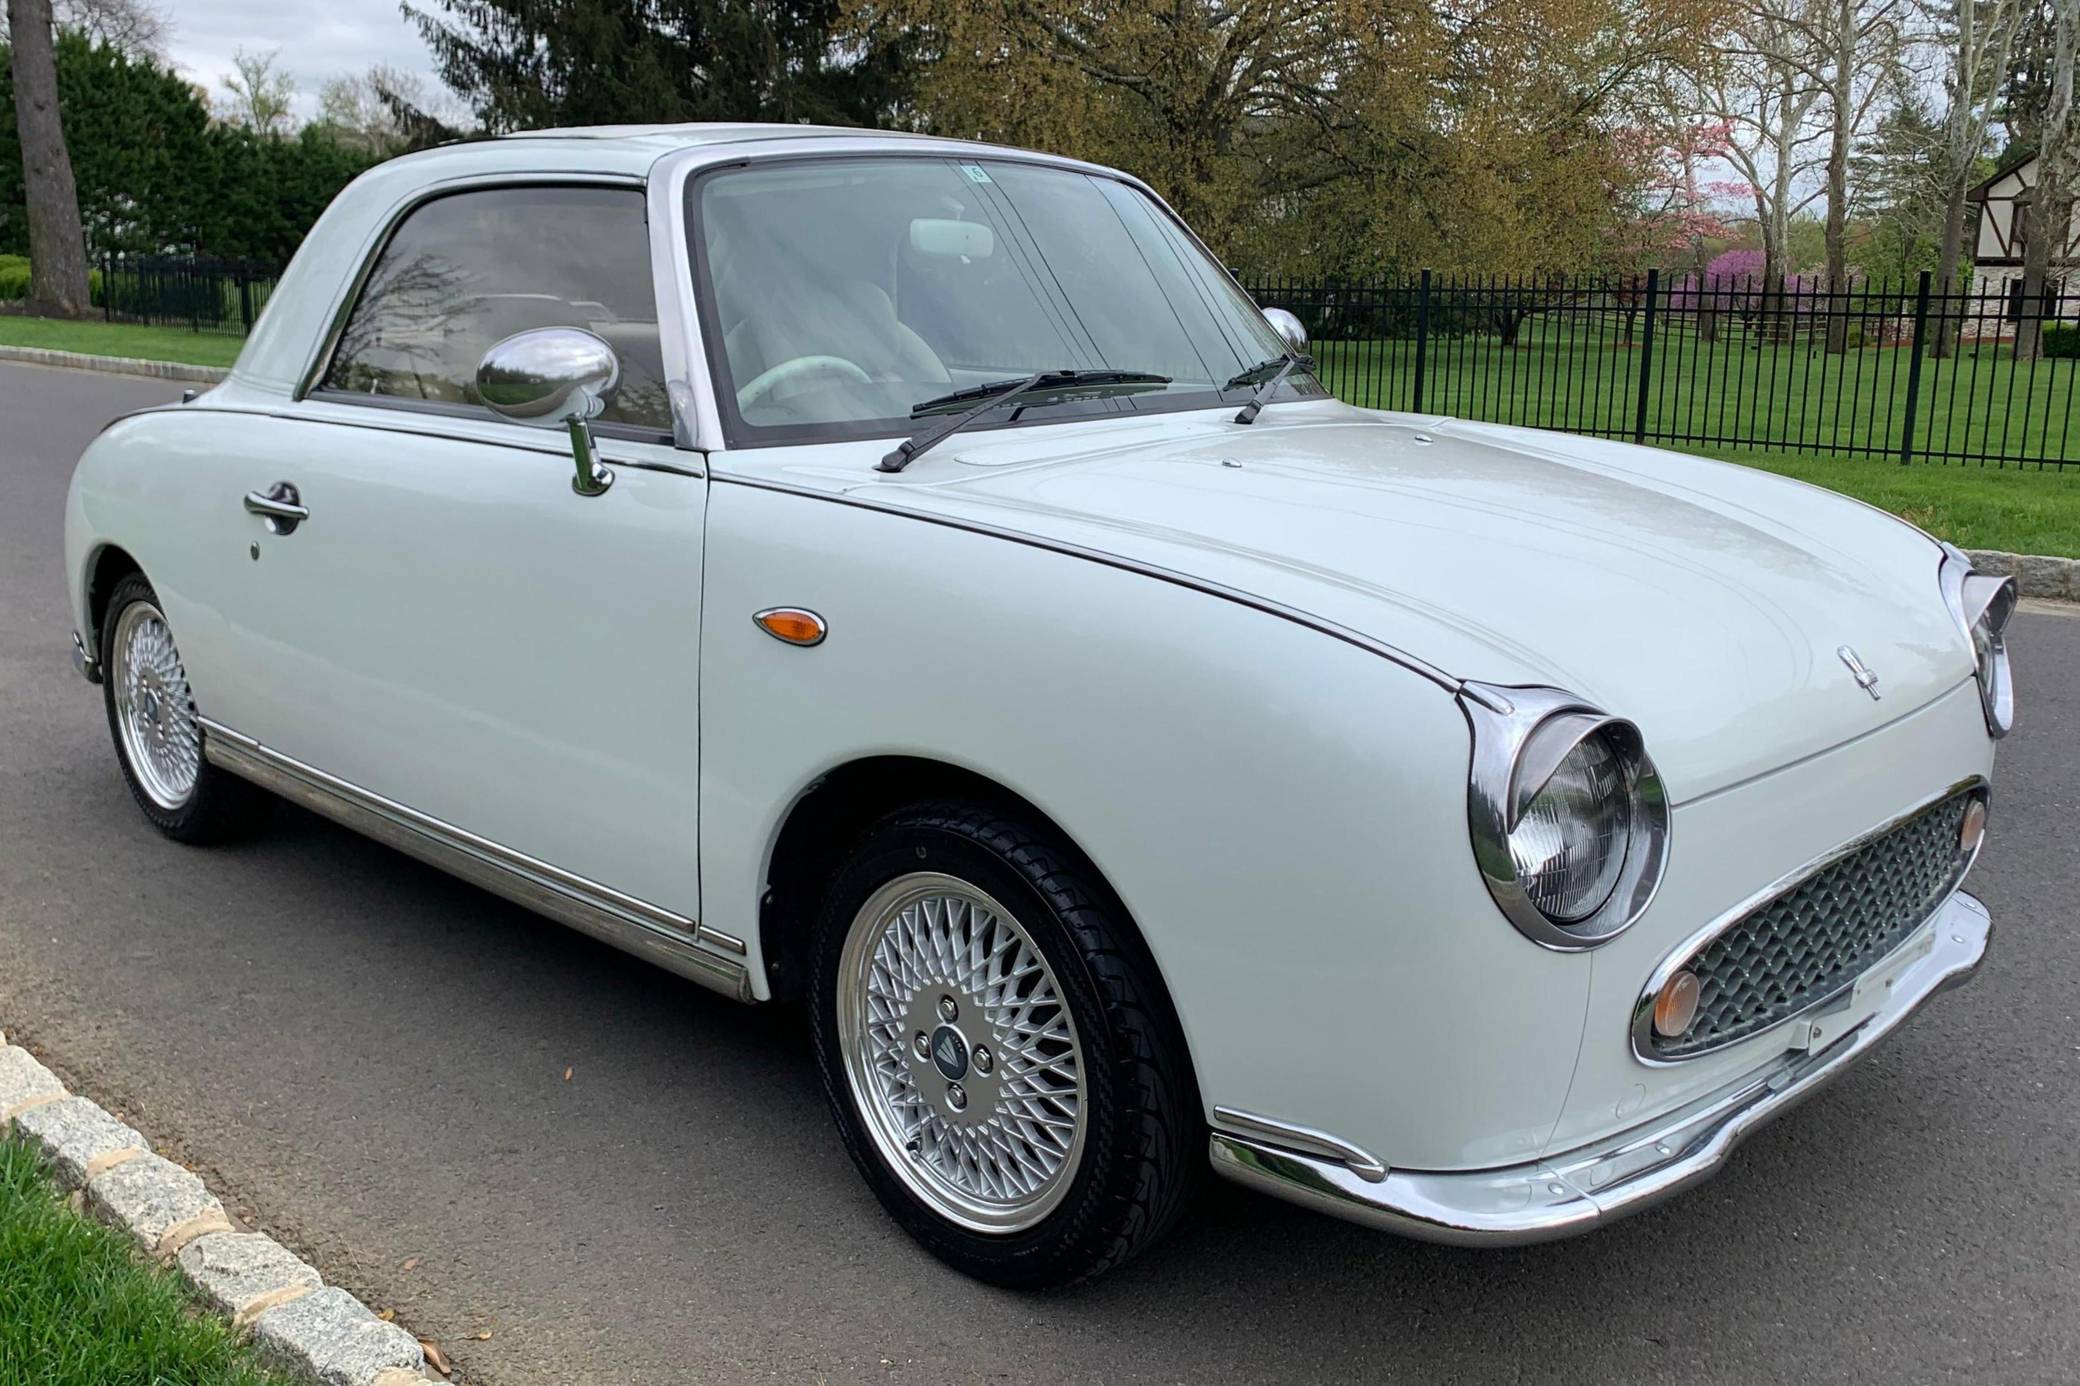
{"x": 113, "y": 365}
{"x": 2036, "y": 575}
{"x": 306, "y": 1328}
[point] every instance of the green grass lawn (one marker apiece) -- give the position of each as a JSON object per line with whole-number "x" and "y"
{"x": 2015, "y": 510}
{"x": 78, "y": 1309}
{"x": 121, "y": 339}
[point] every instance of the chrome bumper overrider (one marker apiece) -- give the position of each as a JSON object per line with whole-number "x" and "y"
{"x": 88, "y": 666}
{"x": 1576, "y": 1190}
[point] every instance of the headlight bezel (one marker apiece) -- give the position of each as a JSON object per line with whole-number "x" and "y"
{"x": 1521, "y": 736}
{"x": 1982, "y": 604}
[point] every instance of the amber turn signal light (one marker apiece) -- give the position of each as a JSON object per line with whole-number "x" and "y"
{"x": 1675, "y": 1005}
{"x": 793, "y": 625}
{"x": 1974, "y": 827}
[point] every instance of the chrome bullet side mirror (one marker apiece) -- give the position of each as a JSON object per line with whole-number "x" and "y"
{"x": 1290, "y": 328}
{"x": 555, "y": 377}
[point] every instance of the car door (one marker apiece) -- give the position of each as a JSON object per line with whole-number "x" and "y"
{"x": 454, "y": 630}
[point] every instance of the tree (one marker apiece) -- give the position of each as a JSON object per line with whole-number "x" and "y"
{"x": 57, "y": 248}
{"x": 381, "y": 112}
{"x": 1319, "y": 135}
{"x": 524, "y": 64}
{"x": 261, "y": 97}
{"x": 1900, "y": 188}
{"x": 155, "y": 175}
{"x": 2048, "y": 215}
{"x": 1793, "y": 63}
{"x": 1850, "y": 52}
{"x": 1764, "y": 98}
{"x": 1979, "y": 38}
{"x": 134, "y": 26}
{"x": 138, "y": 136}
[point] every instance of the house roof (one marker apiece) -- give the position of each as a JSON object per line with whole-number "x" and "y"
{"x": 1978, "y": 193}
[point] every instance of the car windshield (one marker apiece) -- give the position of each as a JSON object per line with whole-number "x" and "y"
{"x": 838, "y": 295}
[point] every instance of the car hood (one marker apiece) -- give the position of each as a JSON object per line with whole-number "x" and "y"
{"x": 1705, "y": 601}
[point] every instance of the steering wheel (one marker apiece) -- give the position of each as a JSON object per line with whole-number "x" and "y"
{"x": 773, "y": 377}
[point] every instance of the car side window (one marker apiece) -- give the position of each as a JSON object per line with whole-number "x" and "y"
{"x": 468, "y": 269}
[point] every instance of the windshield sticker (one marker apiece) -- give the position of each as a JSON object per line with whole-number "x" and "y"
{"x": 976, "y": 173}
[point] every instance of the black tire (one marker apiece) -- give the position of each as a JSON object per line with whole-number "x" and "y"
{"x": 1142, "y": 1151}
{"x": 216, "y": 807}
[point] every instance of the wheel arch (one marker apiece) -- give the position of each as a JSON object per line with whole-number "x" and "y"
{"x": 833, "y": 812}
{"x": 106, "y": 566}
{"x": 840, "y": 806}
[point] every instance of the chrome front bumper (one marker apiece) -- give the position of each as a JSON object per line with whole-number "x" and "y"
{"x": 1574, "y": 1191}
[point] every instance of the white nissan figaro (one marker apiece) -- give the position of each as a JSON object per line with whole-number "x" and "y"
{"x": 910, "y": 577}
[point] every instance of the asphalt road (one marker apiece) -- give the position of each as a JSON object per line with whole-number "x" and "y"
{"x": 370, "y": 1058}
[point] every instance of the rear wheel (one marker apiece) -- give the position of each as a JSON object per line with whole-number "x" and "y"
{"x": 152, "y": 718}
{"x": 999, "y": 1056}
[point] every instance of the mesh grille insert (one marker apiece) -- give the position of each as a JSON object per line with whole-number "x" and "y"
{"x": 1806, "y": 944}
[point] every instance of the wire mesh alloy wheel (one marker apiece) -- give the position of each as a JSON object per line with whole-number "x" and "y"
{"x": 961, "y": 1054}
{"x": 155, "y": 712}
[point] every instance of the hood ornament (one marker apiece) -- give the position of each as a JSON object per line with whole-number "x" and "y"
{"x": 1865, "y": 679}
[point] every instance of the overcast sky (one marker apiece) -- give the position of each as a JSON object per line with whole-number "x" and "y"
{"x": 317, "y": 38}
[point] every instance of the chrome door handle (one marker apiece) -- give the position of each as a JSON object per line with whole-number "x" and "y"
{"x": 281, "y": 506}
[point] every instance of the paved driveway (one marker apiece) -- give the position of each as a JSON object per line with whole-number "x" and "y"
{"x": 369, "y": 1057}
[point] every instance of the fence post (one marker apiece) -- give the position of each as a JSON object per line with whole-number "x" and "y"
{"x": 108, "y": 288}
{"x": 1422, "y": 340}
{"x": 245, "y": 299}
{"x": 1646, "y": 359}
{"x": 1906, "y": 429}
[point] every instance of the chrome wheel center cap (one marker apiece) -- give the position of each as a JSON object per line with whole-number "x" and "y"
{"x": 950, "y": 1054}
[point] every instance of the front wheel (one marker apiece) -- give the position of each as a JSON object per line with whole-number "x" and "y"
{"x": 1000, "y": 1058}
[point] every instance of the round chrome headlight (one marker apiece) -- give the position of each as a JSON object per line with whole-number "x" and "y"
{"x": 1569, "y": 819}
{"x": 1982, "y": 604}
{"x": 1570, "y": 843}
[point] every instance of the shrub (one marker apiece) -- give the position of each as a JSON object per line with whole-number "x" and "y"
{"x": 2062, "y": 339}
{"x": 14, "y": 280}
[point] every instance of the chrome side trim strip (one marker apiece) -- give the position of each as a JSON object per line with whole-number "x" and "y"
{"x": 1285, "y": 1133}
{"x": 1622, "y": 1174}
{"x": 428, "y": 425}
{"x": 1124, "y": 564}
{"x": 1642, "y": 1027}
{"x": 672, "y": 941}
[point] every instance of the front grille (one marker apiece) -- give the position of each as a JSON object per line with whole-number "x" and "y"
{"x": 1805, "y": 945}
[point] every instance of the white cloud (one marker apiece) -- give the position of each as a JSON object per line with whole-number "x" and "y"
{"x": 318, "y": 39}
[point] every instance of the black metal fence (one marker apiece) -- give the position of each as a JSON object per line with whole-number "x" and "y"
{"x": 176, "y": 291}
{"x": 1904, "y": 369}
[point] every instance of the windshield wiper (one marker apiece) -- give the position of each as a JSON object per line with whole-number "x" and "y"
{"x": 995, "y": 394}
{"x": 1277, "y": 368}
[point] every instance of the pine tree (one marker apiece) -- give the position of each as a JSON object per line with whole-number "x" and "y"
{"x": 527, "y": 64}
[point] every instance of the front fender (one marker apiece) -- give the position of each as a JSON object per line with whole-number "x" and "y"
{"x": 1282, "y": 813}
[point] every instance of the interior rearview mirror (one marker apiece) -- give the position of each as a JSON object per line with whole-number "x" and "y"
{"x": 971, "y": 240}
{"x": 555, "y": 377}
